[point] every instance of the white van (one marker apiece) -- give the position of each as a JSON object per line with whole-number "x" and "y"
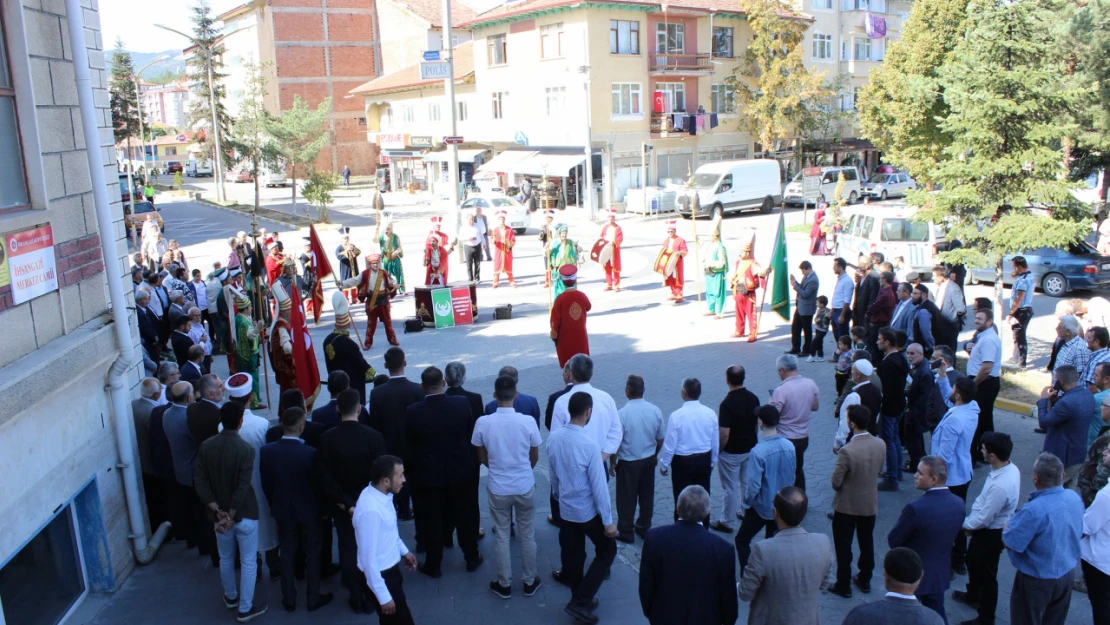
{"x": 830, "y": 176}
{"x": 892, "y": 231}
{"x": 733, "y": 186}
{"x": 197, "y": 167}
{"x": 274, "y": 177}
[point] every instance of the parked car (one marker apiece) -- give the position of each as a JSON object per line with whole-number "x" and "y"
{"x": 198, "y": 167}
{"x": 830, "y": 176}
{"x": 882, "y": 186}
{"x": 733, "y": 186}
{"x": 136, "y": 215}
{"x": 274, "y": 178}
{"x": 1056, "y": 271}
{"x": 893, "y": 232}
{"x": 518, "y": 216}
{"x": 124, "y": 190}
{"x": 173, "y": 167}
{"x": 239, "y": 174}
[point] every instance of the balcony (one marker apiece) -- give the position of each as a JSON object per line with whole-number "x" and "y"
{"x": 662, "y": 63}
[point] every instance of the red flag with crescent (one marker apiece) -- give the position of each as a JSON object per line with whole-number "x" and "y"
{"x": 323, "y": 269}
{"x": 304, "y": 356}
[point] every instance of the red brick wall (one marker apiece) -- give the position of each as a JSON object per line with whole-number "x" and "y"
{"x": 298, "y": 27}
{"x": 354, "y": 27}
{"x": 352, "y": 61}
{"x": 76, "y": 260}
{"x": 300, "y": 62}
{"x": 350, "y": 4}
{"x": 312, "y": 93}
{"x": 296, "y": 3}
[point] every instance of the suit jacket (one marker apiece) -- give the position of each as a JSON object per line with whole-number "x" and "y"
{"x": 903, "y": 321}
{"x": 473, "y": 399}
{"x": 438, "y": 433}
{"x": 866, "y": 292}
{"x": 311, "y": 434}
{"x": 858, "y": 465}
{"x": 551, "y": 399}
{"x": 953, "y": 304}
{"x": 893, "y": 610}
{"x": 343, "y": 461}
{"x": 160, "y": 456}
{"x": 881, "y": 310}
{"x": 204, "y": 420}
{"x": 807, "y": 295}
{"x": 190, "y": 372}
{"x": 181, "y": 344}
{"x": 919, "y": 400}
{"x": 141, "y": 409}
{"x": 288, "y": 481}
{"x": 148, "y": 330}
{"x": 388, "y": 405}
{"x": 687, "y": 575}
{"x": 929, "y": 525}
{"x": 785, "y": 576}
{"x": 328, "y": 416}
{"x": 342, "y": 353}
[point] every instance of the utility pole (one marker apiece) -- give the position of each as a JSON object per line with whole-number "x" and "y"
{"x": 588, "y": 186}
{"x": 139, "y": 103}
{"x": 452, "y": 149}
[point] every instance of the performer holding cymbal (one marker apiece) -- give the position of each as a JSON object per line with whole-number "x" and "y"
{"x": 607, "y": 251}
{"x": 669, "y": 262}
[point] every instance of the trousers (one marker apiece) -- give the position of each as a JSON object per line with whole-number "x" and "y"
{"x": 1098, "y": 590}
{"x": 801, "y": 324}
{"x": 987, "y": 393}
{"x": 501, "y": 510}
{"x": 353, "y": 579}
{"x": 749, "y": 527}
{"x": 439, "y": 506}
{"x": 983, "y": 553}
{"x": 800, "y": 446}
{"x": 733, "y": 470}
{"x": 1021, "y": 342}
{"x": 843, "y": 526}
{"x": 243, "y": 534}
{"x": 612, "y": 278}
{"x": 893, "y": 470}
{"x": 572, "y": 549}
{"x": 687, "y": 470}
{"x": 635, "y": 484}
{"x": 307, "y": 536}
{"x": 959, "y": 546}
{"x": 1040, "y": 601}
{"x": 473, "y": 256}
{"x": 375, "y": 314}
{"x": 745, "y": 314}
{"x": 394, "y": 583}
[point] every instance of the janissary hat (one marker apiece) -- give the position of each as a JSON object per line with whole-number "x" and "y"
{"x": 716, "y": 229}
{"x": 568, "y": 273}
{"x": 239, "y": 385}
{"x": 270, "y": 242}
{"x": 374, "y": 258}
{"x": 562, "y": 228}
{"x": 284, "y": 301}
{"x": 610, "y": 214}
{"x": 342, "y": 311}
{"x": 550, "y": 214}
{"x": 500, "y": 214}
{"x": 747, "y": 239}
{"x": 437, "y": 219}
{"x": 672, "y": 225}
{"x": 242, "y": 302}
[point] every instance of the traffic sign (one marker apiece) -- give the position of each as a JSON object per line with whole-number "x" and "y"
{"x": 431, "y": 55}
{"x": 435, "y": 70}
{"x": 452, "y": 140}
{"x": 811, "y": 187}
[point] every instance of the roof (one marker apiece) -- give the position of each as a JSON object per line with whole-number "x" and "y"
{"x": 409, "y": 78}
{"x": 527, "y": 9}
{"x": 431, "y": 11}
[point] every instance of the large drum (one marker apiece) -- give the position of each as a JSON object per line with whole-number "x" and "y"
{"x": 602, "y": 252}
{"x": 666, "y": 262}
{"x": 423, "y": 299}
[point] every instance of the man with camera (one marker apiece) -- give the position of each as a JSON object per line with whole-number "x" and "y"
{"x": 1064, "y": 411}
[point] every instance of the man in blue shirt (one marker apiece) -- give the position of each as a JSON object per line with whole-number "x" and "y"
{"x": 641, "y": 438}
{"x": 1021, "y": 308}
{"x": 524, "y": 404}
{"x": 771, "y": 466}
{"x": 1042, "y": 539}
{"x": 1067, "y": 422}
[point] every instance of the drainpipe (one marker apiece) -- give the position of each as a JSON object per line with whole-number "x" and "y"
{"x": 115, "y": 383}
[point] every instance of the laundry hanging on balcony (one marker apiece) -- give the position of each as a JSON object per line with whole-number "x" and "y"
{"x": 874, "y": 25}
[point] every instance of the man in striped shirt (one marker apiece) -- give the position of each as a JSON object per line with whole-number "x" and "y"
{"x": 578, "y": 483}
{"x": 1097, "y": 340}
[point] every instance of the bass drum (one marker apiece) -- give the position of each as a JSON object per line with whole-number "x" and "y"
{"x": 602, "y": 252}
{"x": 665, "y": 263}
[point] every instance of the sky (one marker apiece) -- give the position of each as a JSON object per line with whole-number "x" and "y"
{"x": 133, "y": 21}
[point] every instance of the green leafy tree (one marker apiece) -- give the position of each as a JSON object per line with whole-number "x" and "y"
{"x": 300, "y": 133}
{"x": 249, "y": 139}
{"x": 1003, "y": 167}
{"x": 208, "y": 44}
{"x": 166, "y": 77}
{"x": 318, "y": 191}
{"x": 122, "y": 100}
{"x": 902, "y": 107}
{"x": 1088, "y": 36}
{"x": 178, "y": 180}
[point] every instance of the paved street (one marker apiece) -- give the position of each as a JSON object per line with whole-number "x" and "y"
{"x": 634, "y": 331}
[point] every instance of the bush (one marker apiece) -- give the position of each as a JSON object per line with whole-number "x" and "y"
{"x": 178, "y": 180}
{"x": 318, "y": 191}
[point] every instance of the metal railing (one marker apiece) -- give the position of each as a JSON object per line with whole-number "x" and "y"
{"x": 674, "y": 62}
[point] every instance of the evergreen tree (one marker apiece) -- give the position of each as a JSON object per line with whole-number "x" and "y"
{"x": 1087, "y": 35}
{"x": 901, "y": 107}
{"x": 1002, "y": 188}
{"x": 206, "y": 44}
{"x": 123, "y": 102}
{"x": 248, "y": 139}
{"x": 300, "y": 133}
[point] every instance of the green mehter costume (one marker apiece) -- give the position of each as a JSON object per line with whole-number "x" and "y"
{"x": 389, "y": 243}
{"x": 246, "y": 346}
{"x": 563, "y": 252}
{"x": 716, "y": 266}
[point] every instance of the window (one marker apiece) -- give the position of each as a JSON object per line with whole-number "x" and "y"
{"x": 674, "y": 96}
{"x": 497, "y": 49}
{"x": 822, "y": 4}
{"x": 624, "y": 37}
{"x": 44, "y": 578}
{"x": 362, "y": 121}
{"x": 626, "y": 98}
{"x": 738, "y": 154}
{"x": 13, "y": 182}
{"x": 456, "y": 40}
{"x": 171, "y": 150}
{"x": 822, "y": 47}
{"x": 556, "y": 99}
{"x": 722, "y": 42}
{"x": 855, "y": 101}
{"x": 499, "y": 98}
{"x": 723, "y": 98}
{"x": 670, "y": 38}
{"x": 433, "y": 112}
{"x": 407, "y": 115}
{"x": 462, "y": 115}
{"x": 388, "y": 115}
{"x": 625, "y": 178}
{"x": 863, "y": 49}
{"x": 551, "y": 41}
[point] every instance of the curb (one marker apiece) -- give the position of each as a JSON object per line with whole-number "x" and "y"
{"x": 229, "y": 209}
{"x": 1011, "y": 405}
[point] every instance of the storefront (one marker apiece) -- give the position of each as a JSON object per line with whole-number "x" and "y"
{"x": 438, "y": 163}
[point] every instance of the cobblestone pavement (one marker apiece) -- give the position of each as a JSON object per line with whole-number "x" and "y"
{"x": 634, "y": 331}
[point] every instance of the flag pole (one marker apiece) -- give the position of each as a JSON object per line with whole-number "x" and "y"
{"x": 695, "y": 206}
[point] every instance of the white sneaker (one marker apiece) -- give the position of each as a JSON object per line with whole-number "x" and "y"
{"x": 809, "y": 358}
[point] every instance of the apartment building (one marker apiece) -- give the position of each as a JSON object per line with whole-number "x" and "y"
{"x": 416, "y": 26}
{"x": 165, "y": 105}
{"x": 71, "y": 503}
{"x": 173, "y": 148}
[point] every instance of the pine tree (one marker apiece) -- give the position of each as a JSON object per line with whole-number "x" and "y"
{"x": 901, "y": 107}
{"x": 248, "y": 139}
{"x": 1008, "y": 109}
{"x": 123, "y": 102}
{"x": 206, "y": 44}
{"x": 300, "y": 133}
{"x": 1088, "y": 36}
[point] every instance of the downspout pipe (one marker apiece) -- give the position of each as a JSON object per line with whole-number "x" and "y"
{"x": 115, "y": 384}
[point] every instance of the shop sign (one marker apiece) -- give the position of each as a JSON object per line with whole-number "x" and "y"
{"x": 392, "y": 140}
{"x": 30, "y": 263}
{"x": 420, "y": 141}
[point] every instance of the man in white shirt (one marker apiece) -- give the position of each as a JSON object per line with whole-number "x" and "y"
{"x": 991, "y": 511}
{"x": 841, "y": 315}
{"x": 604, "y": 426}
{"x": 692, "y": 443}
{"x": 380, "y": 548}
{"x": 862, "y": 387}
{"x": 471, "y": 237}
{"x": 509, "y": 445}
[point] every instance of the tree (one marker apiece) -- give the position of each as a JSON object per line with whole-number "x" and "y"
{"x": 178, "y": 180}
{"x": 300, "y": 133}
{"x": 249, "y": 140}
{"x": 318, "y": 191}
{"x": 1089, "y": 44}
{"x": 207, "y": 45}
{"x": 123, "y": 101}
{"x": 780, "y": 97}
{"x": 1002, "y": 170}
{"x": 902, "y": 106}
{"x": 165, "y": 77}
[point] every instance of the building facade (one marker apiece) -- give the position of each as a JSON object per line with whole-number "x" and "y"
{"x": 165, "y": 105}
{"x": 63, "y": 508}
{"x": 416, "y": 26}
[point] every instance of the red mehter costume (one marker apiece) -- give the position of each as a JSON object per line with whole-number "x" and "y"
{"x": 745, "y": 284}
{"x": 440, "y": 271}
{"x": 503, "y": 239}
{"x": 612, "y": 232}
{"x": 677, "y": 245}
{"x": 291, "y": 350}
{"x": 568, "y": 318}
{"x": 376, "y": 288}
{"x": 273, "y": 261}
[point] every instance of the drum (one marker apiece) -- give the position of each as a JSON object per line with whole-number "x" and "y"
{"x": 602, "y": 252}
{"x": 663, "y": 264}
{"x": 422, "y": 297}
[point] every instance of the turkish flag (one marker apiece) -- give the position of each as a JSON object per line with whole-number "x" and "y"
{"x": 323, "y": 270}
{"x": 304, "y": 356}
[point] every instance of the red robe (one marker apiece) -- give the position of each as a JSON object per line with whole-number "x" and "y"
{"x": 443, "y": 264}
{"x": 568, "y": 324}
{"x": 613, "y": 232}
{"x": 676, "y": 282}
{"x": 273, "y": 267}
{"x": 503, "y": 239}
{"x": 299, "y": 369}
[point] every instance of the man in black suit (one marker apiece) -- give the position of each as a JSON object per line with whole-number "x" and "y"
{"x": 455, "y": 373}
{"x": 328, "y": 414}
{"x": 687, "y": 574}
{"x": 342, "y": 354}
{"x": 902, "y": 574}
{"x": 441, "y": 465}
{"x": 180, "y": 339}
{"x": 192, "y": 369}
{"x": 343, "y": 466}
{"x": 867, "y": 289}
{"x": 286, "y": 470}
{"x": 148, "y": 324}
{"x": 388, "y": 405}
{"x": 929, "y": 526}
{"x": 568, "y": 381}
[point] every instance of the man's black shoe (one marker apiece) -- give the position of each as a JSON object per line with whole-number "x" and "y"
{"x": 473, "y": 565}
{"x": 642, "y": 533}
{"x": 580, "y": 613}
{"x": 430, "y": 573}
{"x": 966, "y": 598}
{"x": 558, "y": 576}
{"x": 960, "y": 569}
{"x": 289, "y": 607}
{"x": 357, "y": 605}
{"x": 626, "y": 538}
{"x": 404, "y": 517}
{"x": 864, "y": 585}
{"x": 1040, "y": 430}
{"x": 976, "y": 621}
{"x": 321, "y": 601}
{"x": 842, "y": 591}
{"x": 530, "y": 589}
{"x": 505, "y": 592}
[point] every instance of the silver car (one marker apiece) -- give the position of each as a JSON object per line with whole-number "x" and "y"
{"x": 882, "y": 186}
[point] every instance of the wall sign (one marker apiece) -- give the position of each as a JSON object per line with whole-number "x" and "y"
{"x": 31, "y": 266}
{"x": 420, "y": 141}
{"x": 451, "y": 307}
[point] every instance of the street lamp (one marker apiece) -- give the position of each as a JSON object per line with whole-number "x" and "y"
{"x": 217, "y": 167}
{"x": 139, "y": 101}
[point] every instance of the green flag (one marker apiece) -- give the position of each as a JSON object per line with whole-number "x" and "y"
{"x": 780, "y": 280}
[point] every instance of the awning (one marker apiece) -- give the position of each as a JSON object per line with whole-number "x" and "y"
{"x": 503, "y": 163}
{"x": 551, "y": 164}
{"x": 465, "y": 156}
